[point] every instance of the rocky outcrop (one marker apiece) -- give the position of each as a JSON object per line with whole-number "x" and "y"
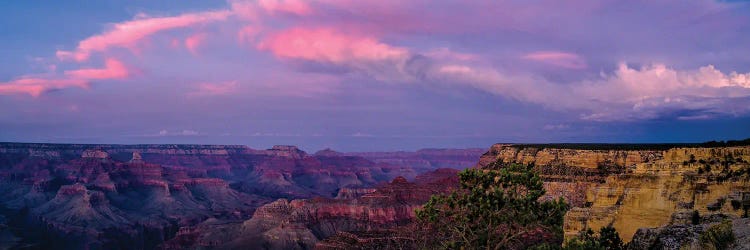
{"x": 632, "y": 189}
{"x": 139, "y": 196}
{"x": 136, "y": 158}
{"x": 328, "y": 153}
{"x": 286, "y": 151}
{"x": 353, "y": 193}
{"x": 300, "y": 224}
{"x": 94, "y": 154}
{"x": 90, "y": 203}
{"x": 563, "y": 157}
{"x": 677, "y": 236}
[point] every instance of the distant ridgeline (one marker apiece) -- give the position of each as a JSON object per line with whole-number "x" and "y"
{"x": 635, "y": 146}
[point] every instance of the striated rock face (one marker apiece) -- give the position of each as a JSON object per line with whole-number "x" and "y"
{"x": 140, "y": 196}
{"x": 106, "y": 204}
{"x": 95, "y": 154}
{"x": 553, "y": 157}
{"x": 286, "y": 151}
{"x": 300, "y": 224}
{"x": 633, "y": 189}
{"x": 353, "y": 193}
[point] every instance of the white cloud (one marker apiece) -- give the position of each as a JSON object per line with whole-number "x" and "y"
{"x": 648, "y": 92}
{"x": 188, "y": 132}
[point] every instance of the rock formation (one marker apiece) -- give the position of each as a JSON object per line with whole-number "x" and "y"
{"x": 301, "y": 224}
{"x": 139, "y": 196}
{"x": 686, "y": 235}
{"x": 94, "y": 154}
{"x": 136, "y": 158}
{"x": 633, "y": 189}
{"x": 210, "y": 196}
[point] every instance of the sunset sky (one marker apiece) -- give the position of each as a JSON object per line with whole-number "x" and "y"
{"x": 374, "y": 75}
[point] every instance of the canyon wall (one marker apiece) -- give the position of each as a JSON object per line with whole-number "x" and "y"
{"x": 212, "y": 196}
{"x": 139, "y": 196}
{"x": 303, "y": 223}
{"x": 633, "y": 189}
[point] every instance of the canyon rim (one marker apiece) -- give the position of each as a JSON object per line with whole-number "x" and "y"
{"x": 374, "y": 124}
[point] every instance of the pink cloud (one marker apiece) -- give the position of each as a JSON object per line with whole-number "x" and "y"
{"x": 247, "y": 10}
{"x": 113, "y": 69}
{"x": 296, "y": 7}
{"x": 193, "y": 42}
{"x": 327, "y": 45}
{"x": 557, "y": 58}
{"x": 212, "y": 89}
{"x": 12, "y": 88}
{"x": 36, "y": 86}
{"x": 351, "y": 34}
{"x": 128, "y": 34}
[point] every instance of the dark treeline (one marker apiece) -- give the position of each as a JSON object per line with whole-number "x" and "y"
{"x": 636, "y": 146}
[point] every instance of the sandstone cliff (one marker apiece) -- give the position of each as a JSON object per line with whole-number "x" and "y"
{"x": 632, "y": 189}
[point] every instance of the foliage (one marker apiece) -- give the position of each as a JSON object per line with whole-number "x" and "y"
{"x": 606, "y": 239}
{"x": 494, "y": 209}
{"x": 718, "y": 236}
{"x": 730, "y": 143}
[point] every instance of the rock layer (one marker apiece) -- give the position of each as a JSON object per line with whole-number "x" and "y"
{"x": 632, "y": 189}
{"x": 139, "y": 196}
{"x": 301, "y": 224}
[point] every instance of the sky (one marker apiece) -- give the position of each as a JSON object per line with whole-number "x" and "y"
{"x": 374, "y": 75}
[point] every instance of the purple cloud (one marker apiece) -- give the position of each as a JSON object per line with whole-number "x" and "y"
{"x": 588, "y": 62}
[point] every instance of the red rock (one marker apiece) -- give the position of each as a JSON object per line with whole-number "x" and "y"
{"x": 95, "y": 154}
{"x": 156, "y": 189}
{"x": 288, "y": 224}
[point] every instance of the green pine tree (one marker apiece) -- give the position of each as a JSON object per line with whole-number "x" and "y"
{"x": 493, "y": 209}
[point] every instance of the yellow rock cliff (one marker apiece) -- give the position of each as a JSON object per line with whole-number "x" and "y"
{"x": 632, "y": 189}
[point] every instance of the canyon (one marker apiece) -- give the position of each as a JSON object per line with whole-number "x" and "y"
{"x": 649, "y": 194}
{"x": 235, "y": 197}
{"x": 303, "y": 223}
{"x": 78, "y": 196}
